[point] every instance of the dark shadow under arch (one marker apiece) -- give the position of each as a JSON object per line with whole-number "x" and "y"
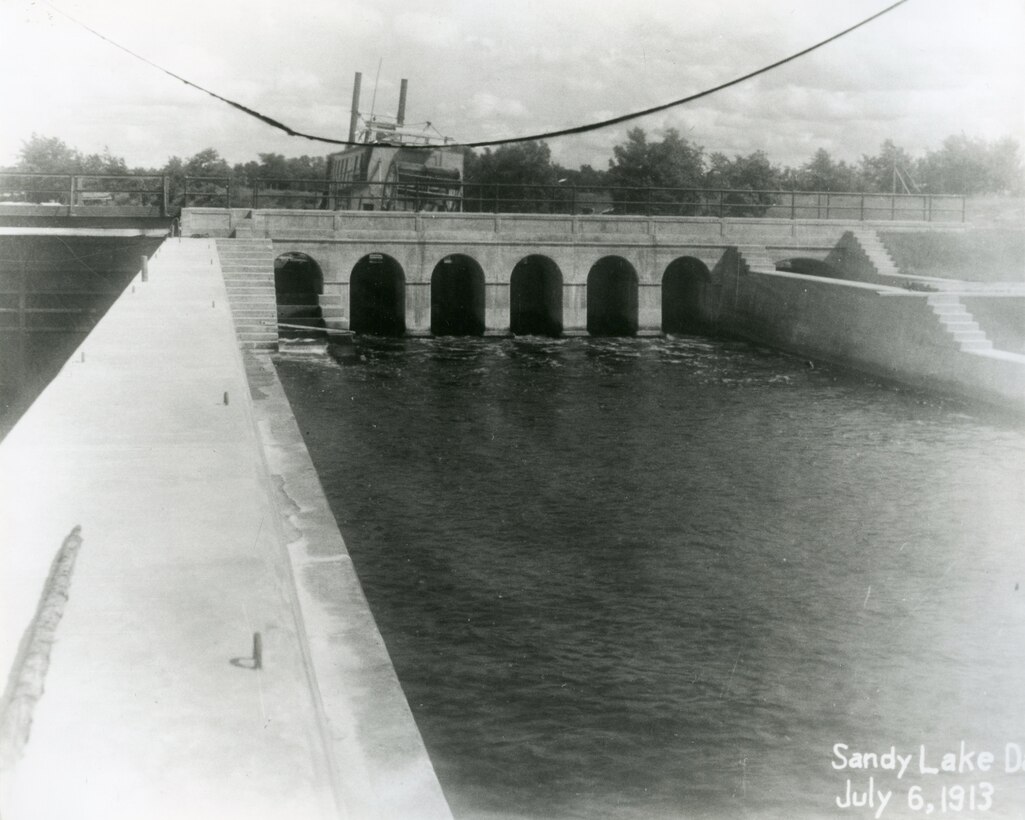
{"x": 297, "y": 274}
{"x": 612, "y": 298}
{"x": 683, "y": 282}
{"x": 535, "y": 297}
{"x": 298, "y": 283}
{"x": 457, "y": 297}
{"x": 377, "y": 296}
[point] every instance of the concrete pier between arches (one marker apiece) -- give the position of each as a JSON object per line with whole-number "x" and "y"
{"x": 201, "y": 525}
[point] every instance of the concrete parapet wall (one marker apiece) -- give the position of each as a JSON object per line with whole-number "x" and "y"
{"x": 284, "y": 223}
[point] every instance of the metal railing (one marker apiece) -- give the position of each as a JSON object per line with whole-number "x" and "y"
{"x": 431, "y": 195}
{"x": 143, "y": 194}
{"x": 163, "y": 195}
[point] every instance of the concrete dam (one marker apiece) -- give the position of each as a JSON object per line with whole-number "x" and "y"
{"x": 172, "y": 569}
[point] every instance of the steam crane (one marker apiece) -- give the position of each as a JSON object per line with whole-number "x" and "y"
{"x": 393, "y": 168}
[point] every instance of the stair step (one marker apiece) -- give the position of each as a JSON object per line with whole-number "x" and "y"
{"x": 270, "y": 347}
{"x": 976, "y": 344}
{"x": 255, "y": 336}
{"x": 951, "y": 311}
{"x": 249, "y": 279}
{"x": 968, "y": 335}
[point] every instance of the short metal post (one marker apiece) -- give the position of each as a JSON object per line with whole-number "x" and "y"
{"x": 257, "y": 651}
{"x": 145, "y": 269}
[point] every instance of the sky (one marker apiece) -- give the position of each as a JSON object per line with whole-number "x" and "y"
{"x": 484, "y": 70}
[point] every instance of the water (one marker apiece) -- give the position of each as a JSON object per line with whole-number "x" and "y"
{"x": 662, "y": 578}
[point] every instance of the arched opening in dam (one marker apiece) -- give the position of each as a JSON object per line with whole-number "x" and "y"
{"x": 682, "y": 284}
{"x": 298, "y": 283}
{"x": 377, "y": 296}
{"x": 457, "y": 297}
{"x": 612, "y": 298}
{"x": 535, "y": 298}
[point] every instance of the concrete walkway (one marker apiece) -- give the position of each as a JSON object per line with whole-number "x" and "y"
{"x": 149, "y": 445}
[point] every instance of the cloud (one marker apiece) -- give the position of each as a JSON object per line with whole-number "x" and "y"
{"x": 477, "y": 70}
{"x": 429, "y": 29}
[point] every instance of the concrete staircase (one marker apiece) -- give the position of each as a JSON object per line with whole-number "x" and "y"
{"x": 873, "y": 248}
{"x": 756, "y": 259}
{"x": 248, "y": 268}
{"x": 958, "y": 322}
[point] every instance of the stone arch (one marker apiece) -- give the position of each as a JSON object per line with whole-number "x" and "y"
{"x": 612, "y": 298}
{"x": 377, "y": 296}
{"x": 535, "y": 297}
{"x": 457, "y": 297}
{"x": 683, "y": 282}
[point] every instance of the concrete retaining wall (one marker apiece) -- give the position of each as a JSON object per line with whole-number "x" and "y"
{"x": 886, "y": 331}
{"x": 150, "y": 440}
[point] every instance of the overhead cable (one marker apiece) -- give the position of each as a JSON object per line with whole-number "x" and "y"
{"x": 578, "y": 129}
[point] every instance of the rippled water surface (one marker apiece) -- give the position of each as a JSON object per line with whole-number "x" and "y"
{"x": 662, "y": 578}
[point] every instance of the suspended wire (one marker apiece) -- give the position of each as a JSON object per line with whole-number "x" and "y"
{"x": 578, "y": 129}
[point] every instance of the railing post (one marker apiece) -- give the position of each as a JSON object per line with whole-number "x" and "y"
{"x": 964, "y": 209}
{"x": 228, "y": 194}
{"x": 893, "y": 207}
{"x": 71, "y": 196}
{"x": 165, "y": 203}
{"x": 862, "y": 218}
{"x": 647, "y": 202}
{"x": 828, "y": 195}
{"x": 185, "y": 192}
{"x": 793, "y": 205}
{"x": 256, "y": 193}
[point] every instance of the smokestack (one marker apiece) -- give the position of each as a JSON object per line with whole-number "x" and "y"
{"x": 400, "y": 120}
{"x": 354, "y": 116}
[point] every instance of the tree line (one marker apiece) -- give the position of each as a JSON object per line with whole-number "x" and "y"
{"x": 524, "y": 173}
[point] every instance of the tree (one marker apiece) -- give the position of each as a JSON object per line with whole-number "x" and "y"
{"x": 206, "y": 163}
{"x": 822, "y": 173}
{"x": 672, "y": 163}
{"x": 749, "y": 181}
{"x": 47, "y": 155}
{"x": 970, "y": 166}
{"x": 516, "y": 177}
{"x": 50, "y": 155}
{"x": 890, "y": 171}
